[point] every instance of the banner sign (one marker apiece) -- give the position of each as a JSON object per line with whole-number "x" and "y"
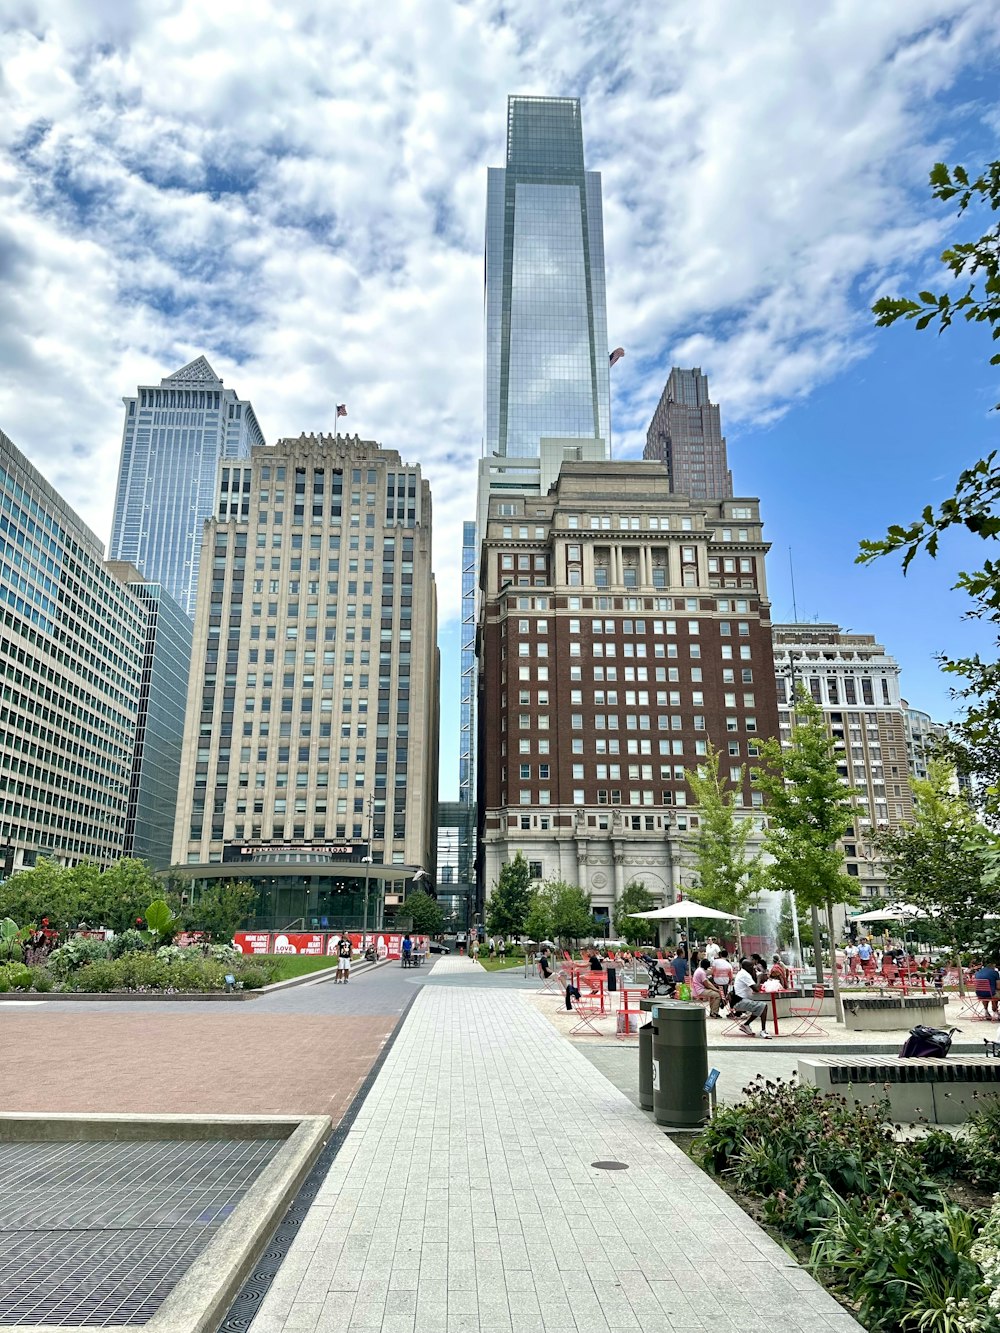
{"x": 333, "y": 851}
{"x": 320, "y": 943}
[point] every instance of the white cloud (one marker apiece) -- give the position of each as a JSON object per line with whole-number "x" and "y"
{"x": 298, "y": 191}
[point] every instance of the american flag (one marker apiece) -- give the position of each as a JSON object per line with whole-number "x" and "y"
{"x": 341, "y": 410}
{"x": 616, "y": 355}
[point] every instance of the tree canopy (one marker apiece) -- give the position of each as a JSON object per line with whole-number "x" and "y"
{"x": 572, "y": 917}
{"x": 635, "y": 897}
{"x": 507, "y": 906}
{"x": 975, "y": 265}
{"x": 424, "y": 911}
{"x": 729, "y": 874}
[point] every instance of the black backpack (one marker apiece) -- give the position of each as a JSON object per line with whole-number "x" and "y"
{"x": 927, "y": 1043}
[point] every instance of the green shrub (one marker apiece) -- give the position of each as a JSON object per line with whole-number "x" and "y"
{"x": 76, "y": 953}
{"x": 42, "y": 980}
{"x": 799, "y": 1151}
{"x": 129, "y": 941}
{"x": 18, "y": 976}
{"x": 253, "y": 976}
{"x": 171, "y": 953}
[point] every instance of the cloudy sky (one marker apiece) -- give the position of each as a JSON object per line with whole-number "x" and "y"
{"x": 297, "y": 190}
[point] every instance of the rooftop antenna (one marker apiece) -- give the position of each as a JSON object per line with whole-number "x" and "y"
{"x": 791, "y": 571}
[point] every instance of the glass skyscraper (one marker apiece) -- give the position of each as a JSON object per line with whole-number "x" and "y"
{"x": 546, "y": 315}
{"x": 174, "y": 437}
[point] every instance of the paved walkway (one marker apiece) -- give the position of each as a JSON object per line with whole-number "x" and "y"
{"x": 307, "y": 1050}
{"x": 465, "y": 1200}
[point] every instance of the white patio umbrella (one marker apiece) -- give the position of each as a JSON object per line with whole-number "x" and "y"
{"x": 684, "y": 911}
{"x": 894, "y": 912}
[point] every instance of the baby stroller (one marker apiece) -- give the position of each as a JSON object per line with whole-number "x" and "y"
{"x": 660, "y": 981}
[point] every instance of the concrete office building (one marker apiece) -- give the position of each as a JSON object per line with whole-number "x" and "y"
{"x": 856, "y": 683}
{"x": 71, "y": 653}
{"x": 163, "y": 684}
{"x": 174, "y": 437}
{"x": 312, "y": 714}
{"x": 622, "y": 629}
{"x": 686, "y": 434}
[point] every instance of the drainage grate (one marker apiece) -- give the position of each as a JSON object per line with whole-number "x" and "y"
{"x": 99, "y": 1233}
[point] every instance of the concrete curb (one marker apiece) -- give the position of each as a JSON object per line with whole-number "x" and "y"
{"x": 180, "y": 997}
{"x": 202, "y": 1296}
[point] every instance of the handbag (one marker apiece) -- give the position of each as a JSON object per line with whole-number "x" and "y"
{"x": 927, "y": 1043}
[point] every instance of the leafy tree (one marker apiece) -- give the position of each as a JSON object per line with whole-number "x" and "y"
{"x": 219, "y": 910}
{"x": 538, "y": 922}
{"x": 114, "y": 898}
{"x": 572, "y": 917}
{"x": 507, "y": 907}
{"x": 635, "y": 898}
{"x": 118, "y": 895}
{"x": 942, "y": 862}
{"x": 45, "y": 889}
{"x": 729, "y": 877}
{"x": 974, "y": 503}
{"x": 809, "y": 811}
{"x": 424, "y": 911}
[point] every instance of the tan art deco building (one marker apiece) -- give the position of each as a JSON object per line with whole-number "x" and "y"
{"x": 623, "y": 628}
{"x": 312, "y": 717}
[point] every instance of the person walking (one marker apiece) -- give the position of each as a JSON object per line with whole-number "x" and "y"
{"x": 491, "y": 946}
{"x": 343, "y": 960}
{"x": 407, "y": 951}
{"x": 474, "y": 951}
{"x": 712, "y": 949}
{"x": 502, "y": 947}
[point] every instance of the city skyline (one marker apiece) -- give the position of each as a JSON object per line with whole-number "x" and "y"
{"x": 315, "y": 269}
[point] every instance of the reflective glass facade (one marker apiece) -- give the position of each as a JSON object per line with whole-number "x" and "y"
{"x": 546, "y": 317}
{"x": 174, "y": 437}
{"x": 152, "y": 801}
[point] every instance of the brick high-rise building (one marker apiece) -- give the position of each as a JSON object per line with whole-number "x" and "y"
{"x": 622, "y": 629}
{"x": 312, "y": 714}
{"x": 686, "y": 434}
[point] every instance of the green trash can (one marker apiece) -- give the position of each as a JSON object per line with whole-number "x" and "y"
{"x": 680, "y": 1064}
{"x": 646, "y": 1033}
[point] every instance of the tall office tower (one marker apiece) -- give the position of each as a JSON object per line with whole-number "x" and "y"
{"x": 467, "y": 702}
{"x": 622, "y": 629}
{"x": 310, "y": 751}
{"x": 71, "y": 654}
{"x": 686, "y": 434}
{"x": 546, "y": 315}
{"x": 856, "y": 683}
{"x": 156, "y": 766}
{"x": 174, "y": 438}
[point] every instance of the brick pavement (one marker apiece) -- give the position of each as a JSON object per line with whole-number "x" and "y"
{"x": 464, "y": 1200}
{"x": 304, "y": 1050}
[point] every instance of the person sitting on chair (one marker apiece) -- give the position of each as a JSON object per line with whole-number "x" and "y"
{"x": 744, "y": 986}
{"x": 704, "y": 990}
{"x": 986, "y": 980}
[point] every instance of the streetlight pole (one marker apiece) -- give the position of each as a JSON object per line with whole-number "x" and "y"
{"x": 368, "y": 865}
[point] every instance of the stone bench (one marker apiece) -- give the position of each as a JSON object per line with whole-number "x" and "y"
{"x": 892, "y": 1013}
{"x": 943, "y": 1092}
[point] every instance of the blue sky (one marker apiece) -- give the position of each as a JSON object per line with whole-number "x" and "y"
{"x": 297, "y": 190}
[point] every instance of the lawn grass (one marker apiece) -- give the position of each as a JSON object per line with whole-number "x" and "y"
{"x": 499, "y": 964}
{"x": 294, "y": 965}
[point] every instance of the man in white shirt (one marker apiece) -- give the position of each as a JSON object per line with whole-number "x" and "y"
{"x": 712, "y": 949}
{"x": 744, "y": 986}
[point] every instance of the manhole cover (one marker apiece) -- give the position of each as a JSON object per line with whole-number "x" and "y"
{"x": 610, "y": 1166}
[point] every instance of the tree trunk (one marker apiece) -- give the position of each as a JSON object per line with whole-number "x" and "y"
{"x": 817, "y": 946}
{"x": 838, "y": 999}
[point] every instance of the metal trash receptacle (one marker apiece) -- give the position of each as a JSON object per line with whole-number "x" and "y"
{"x": 612, "y": 975}
{"x": 680, "y": 1064}
{"x": 646, "y": 1033}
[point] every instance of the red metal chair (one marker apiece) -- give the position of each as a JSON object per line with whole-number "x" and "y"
{"x": 629, "y": 1013}
{"x": 588, "y": 1008}
{"x": 807, "y": 1015}
{"x": 985, "y": 997}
